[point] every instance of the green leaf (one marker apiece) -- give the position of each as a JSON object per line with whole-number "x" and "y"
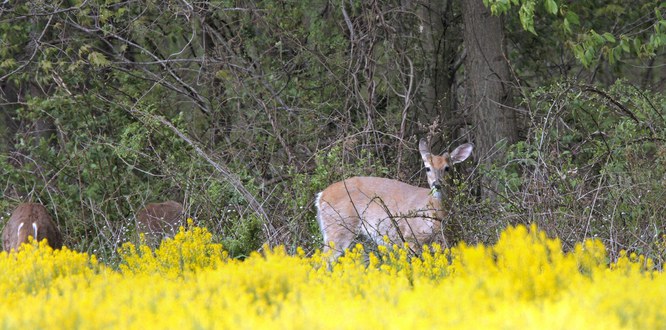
{"x": 588, "y": 56}
{"x": 596, "y": 38}
{"x": 98, "y": 59}
{"x": 551, "y": 6}
{"x": 617, "y": 53}
{"x": 572, "y": 18}
{"x": 625, "y": 46}
{"x": 526, "y": 14}
{"x": 609, "y": 37}
{"x": 8, "y": 63}
{"x": 637, "y": 44}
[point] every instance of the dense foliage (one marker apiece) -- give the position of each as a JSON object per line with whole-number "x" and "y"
{"x": 593, "y": 164}
{"x": 243, "y": 110}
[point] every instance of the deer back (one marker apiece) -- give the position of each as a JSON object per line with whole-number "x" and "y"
{"x": 30, "y": 219}
{"x": 160, "y": 219}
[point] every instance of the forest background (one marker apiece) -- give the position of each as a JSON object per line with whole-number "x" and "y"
{"x": 244, "y": 110}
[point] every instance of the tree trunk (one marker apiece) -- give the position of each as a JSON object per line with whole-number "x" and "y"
{"x": 487, "y": 84}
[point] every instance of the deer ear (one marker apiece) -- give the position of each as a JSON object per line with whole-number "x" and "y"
{"x": 461, "y": 153}
{"x": 424, "y": 149}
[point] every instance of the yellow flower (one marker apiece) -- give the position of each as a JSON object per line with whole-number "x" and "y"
{"x": 524, "y": 281}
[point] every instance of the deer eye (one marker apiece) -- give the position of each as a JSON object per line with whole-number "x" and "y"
{"x": 446, "y": 168}
{"x": 427, "y": 169}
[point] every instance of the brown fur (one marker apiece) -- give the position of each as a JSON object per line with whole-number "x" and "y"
{"x": 25, "y": 219}
{"x": 159, "y": 220}
{"x": 375, "y": 207}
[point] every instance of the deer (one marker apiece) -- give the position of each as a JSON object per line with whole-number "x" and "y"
{"x": 159, "y": 220}
{"x": 375, "y": 207}
{"x": 30, "y": 220}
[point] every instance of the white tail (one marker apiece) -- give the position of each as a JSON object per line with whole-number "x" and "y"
{"x": 375, "y": 207}
{"x": 159, "y": 220}
{"x": 30, "y": 219}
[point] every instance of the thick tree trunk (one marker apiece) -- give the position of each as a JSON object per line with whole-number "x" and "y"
{"x": 487, "y": 84}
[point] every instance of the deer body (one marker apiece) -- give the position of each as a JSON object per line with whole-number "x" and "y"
{"x": 30, "y": 219}
{"x": 374, "y": 207}
{"x": 158, "y": 220}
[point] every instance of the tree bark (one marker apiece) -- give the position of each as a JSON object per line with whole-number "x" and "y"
{"x": 487, "y": 85}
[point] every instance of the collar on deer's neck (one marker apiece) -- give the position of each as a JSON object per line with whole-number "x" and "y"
{"x": 436, "y": 194}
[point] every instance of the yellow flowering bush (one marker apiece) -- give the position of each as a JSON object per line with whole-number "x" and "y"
{"x": 523, "y": 281}
{"x": 187, "y": 251}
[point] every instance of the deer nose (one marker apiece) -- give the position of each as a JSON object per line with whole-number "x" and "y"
{"x": 437, "y": 185}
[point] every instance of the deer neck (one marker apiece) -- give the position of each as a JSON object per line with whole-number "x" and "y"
{"x": 436, "y": 203}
